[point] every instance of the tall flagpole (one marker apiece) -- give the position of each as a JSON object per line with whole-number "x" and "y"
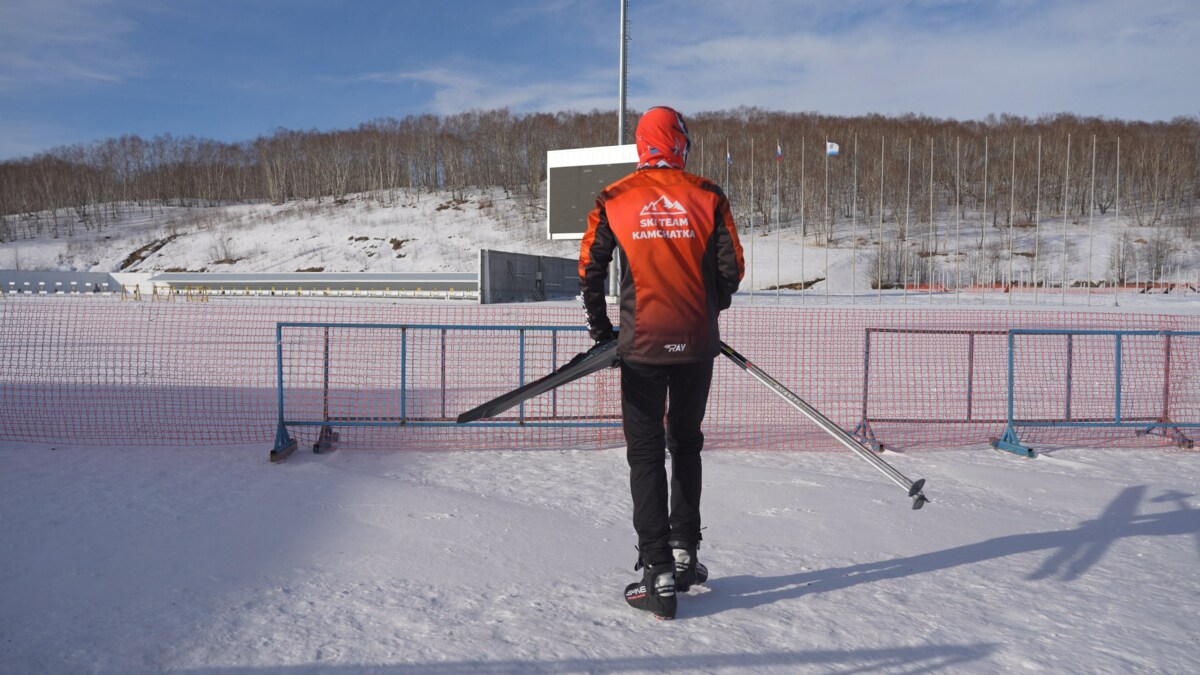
{"x": 752, "y": 259}
{"x": 1012, "y": 204}
{"x": 624, "y": 75}
{"x": 854, "y": 229}
{"x": 907, "y": 212}
{"x": 614, "y": 267}
{"x": 778, "y": 216}
{"x": 1118, "y": 210}
{"x": 828, "y": 221}
{"x": 803, "y": 225}
{"x": 1091, "y": 215}
{"x": 728, "y": 161}
{"x": 932, "y": 236}
{"x": 983, "y": 221}
{"x": 1037, "y": 223}
{"x": 1066, "y": 187}
{"x": 957, "y": 219}
{"x": 879, "y": 255}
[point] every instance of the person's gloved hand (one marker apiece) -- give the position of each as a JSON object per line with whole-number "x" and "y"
{"x": 602, "y": 333}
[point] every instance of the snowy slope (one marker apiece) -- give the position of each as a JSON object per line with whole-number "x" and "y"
{"x": 438, "y": 232}
{"x": 120, "y": 560}
{"x": 443, "y": 232}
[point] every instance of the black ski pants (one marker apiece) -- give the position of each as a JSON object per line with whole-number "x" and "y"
{"x": 645, "y": 391}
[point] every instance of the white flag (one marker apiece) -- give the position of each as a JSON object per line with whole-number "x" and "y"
{"x": 831, "y": 149}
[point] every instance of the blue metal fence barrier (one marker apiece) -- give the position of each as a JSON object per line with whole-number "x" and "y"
{"x": 1161, "y": 422}
{"x": 329, "y": 421}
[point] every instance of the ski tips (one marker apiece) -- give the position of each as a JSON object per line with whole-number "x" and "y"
{"x": 601, "y": 355}
{"x": 919, "y": 498}
{"x": 478, "y": 412}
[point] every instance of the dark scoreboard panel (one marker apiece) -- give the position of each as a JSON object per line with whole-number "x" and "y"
{"x": 574, "y": 190}
{"x": 574, "y": 180}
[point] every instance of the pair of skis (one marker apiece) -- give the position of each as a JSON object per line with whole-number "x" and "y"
{"x": 604, "y": 355}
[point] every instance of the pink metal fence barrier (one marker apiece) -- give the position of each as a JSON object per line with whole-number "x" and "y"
{"x": 99, "y": 371}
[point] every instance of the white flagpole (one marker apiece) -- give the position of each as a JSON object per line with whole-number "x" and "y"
{"x": 778, "y": 218}
{"x": 828, "y": 222}
{"x": 1117, "y": 213}
{"x": 983, "y": 222}
{"x": 879, "y": 256}
{"x": 1091, "y": 216}
{"x": 1012, "y": 204}
{"x": 752, "y": 260}
{"x": 1037, "y": 223}
{"x": 854, "y": 229}
{"x": 932, "y": 237}
{"x": 803, "y": 225}
{"x": 957, "y": 220}
{"x": 727, "y": 160}
{"x": 907, "y": 212}
{"x": 1066, "y": 186}
{"x": 1121, "y": 271}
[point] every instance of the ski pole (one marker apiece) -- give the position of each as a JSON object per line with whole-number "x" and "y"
{"x": 914, "y": 489}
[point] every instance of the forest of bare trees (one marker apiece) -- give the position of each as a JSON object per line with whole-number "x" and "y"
{"x": 85, "y": 185}
{"x": 901, "y": 170}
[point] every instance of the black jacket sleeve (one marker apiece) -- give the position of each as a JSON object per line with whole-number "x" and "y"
{"x": 598, "y": 245}
{"x": 729, "y": 266}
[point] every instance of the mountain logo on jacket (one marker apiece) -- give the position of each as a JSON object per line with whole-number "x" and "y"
{"x": 663, "y": 206}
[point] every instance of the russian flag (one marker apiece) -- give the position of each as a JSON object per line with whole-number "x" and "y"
{"x": 728, "y": 158}
{"x": 778, "y": 152}
{"x": 831, "y": 149}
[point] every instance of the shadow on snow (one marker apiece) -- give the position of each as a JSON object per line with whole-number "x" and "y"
{"x": 922, "y": 659}
{"x": 1073, "y": 553}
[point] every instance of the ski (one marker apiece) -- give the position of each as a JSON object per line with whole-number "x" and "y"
{"x": 914, "y": 489}
{"x": 602, "y": 355}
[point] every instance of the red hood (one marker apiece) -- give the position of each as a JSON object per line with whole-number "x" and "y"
{"x": 662, "y": 138}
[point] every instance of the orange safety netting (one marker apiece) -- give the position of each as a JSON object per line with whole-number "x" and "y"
{"x": 94, "y": 370}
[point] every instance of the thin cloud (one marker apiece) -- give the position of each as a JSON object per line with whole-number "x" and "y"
{"x": 945, "y": 58}
{"x": 484, "y": 87}
{"x": 938, "y": 58}
{"x": 521, "y": 12}
{"x": 67, "y": 42}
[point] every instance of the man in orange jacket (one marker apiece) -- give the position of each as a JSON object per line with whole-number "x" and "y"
{"x": 682, "y": 264}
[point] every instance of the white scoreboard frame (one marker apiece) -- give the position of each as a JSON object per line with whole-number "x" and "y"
{"x": 611, "y": 163}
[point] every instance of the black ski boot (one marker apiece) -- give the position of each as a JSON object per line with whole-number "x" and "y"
{"x": 655, "y": 592}
{"x": 688, "y": 568}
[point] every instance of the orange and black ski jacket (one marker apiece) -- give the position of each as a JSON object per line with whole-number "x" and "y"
{"x": 681, "y": 264}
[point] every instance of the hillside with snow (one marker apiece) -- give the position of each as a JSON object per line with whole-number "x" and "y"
{"x": 419, "y": 231}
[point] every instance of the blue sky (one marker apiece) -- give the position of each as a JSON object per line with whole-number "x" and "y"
{"x": 82, "y": 70}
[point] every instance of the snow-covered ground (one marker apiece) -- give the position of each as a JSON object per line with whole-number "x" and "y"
{"x": 119, "y": 560}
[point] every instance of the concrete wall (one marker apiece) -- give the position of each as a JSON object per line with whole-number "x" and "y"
{"x": 518, "y": 277}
